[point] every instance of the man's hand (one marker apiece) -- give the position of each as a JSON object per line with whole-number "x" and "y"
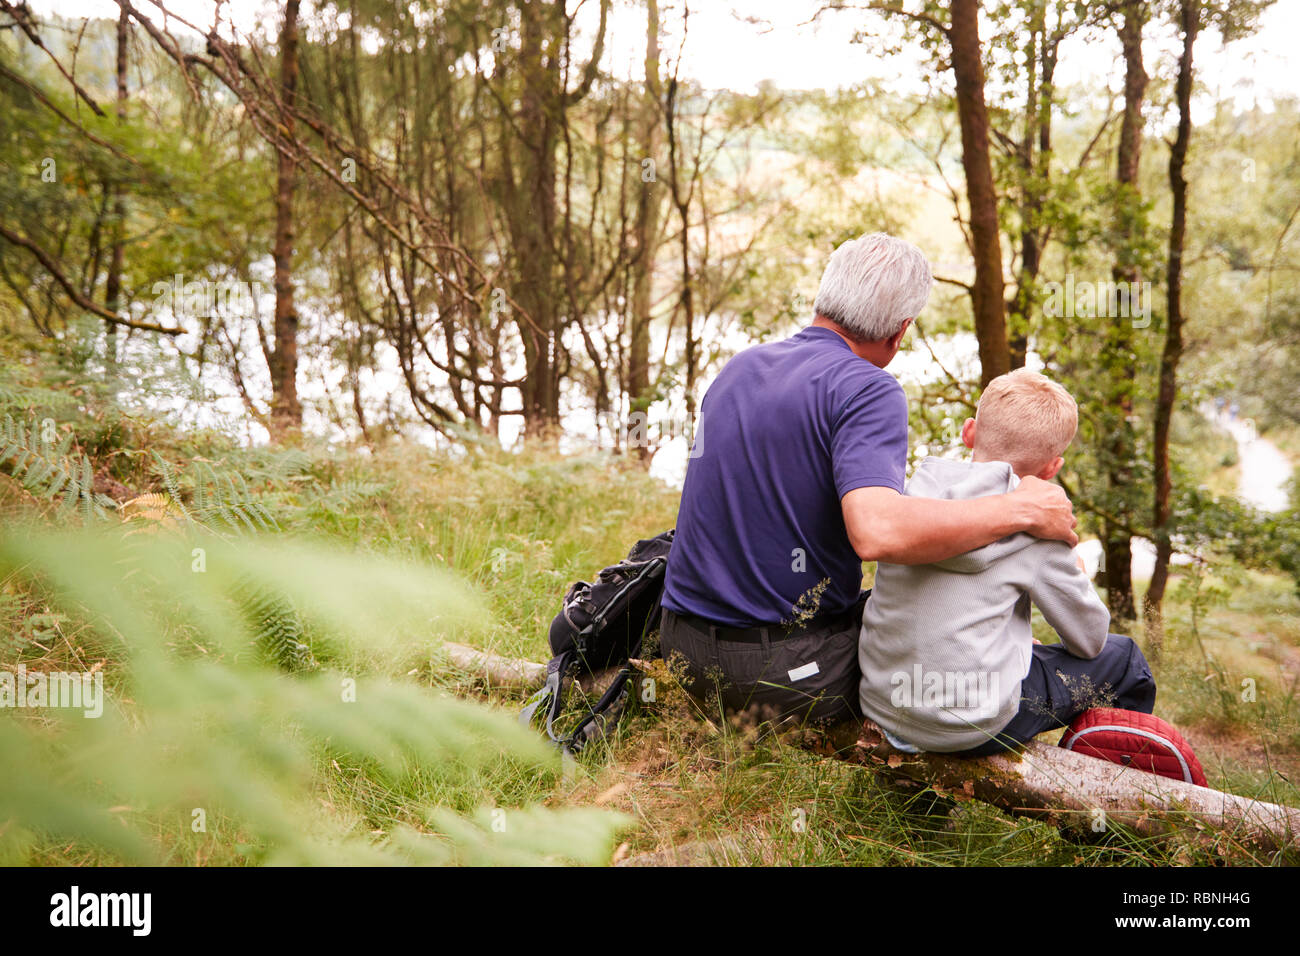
{"x": 1047, "y": 510}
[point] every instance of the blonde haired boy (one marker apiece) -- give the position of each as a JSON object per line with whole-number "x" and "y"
{"x": 947, "y": 655}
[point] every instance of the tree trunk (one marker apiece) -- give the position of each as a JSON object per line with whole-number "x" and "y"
{"x": 1173, "y": 350}
{"x": 689, "y": 355}
{"x": 536, "y": 228}
{"x": 540, "y": 122}
{"x": 113, "y": 286}
{"x": 286, "y": 410}
{"x": 988, "y": 290}
{"x": 1040, "y": 66}
{"x": 647, "y": 234}
{"x": 1121, "y": 360}
{"x": 682, "y": 196}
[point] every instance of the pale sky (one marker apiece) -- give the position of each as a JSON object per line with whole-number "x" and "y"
{"x": 724, "y": 50}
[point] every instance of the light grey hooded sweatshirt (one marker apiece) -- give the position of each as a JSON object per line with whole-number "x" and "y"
{"x": 944, "y": 646}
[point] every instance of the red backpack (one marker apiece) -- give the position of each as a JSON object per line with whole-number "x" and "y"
{"x": 1137, "y": 740}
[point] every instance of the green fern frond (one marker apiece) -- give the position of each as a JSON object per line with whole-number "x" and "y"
{"x": 222, "y": 500}
{"x": 343, "y": 496}
{"x": 51, "y": 471}
{"x": 278, "y": 629}
{"x": 164, "y": 470}
{"x": 250, "y": 746}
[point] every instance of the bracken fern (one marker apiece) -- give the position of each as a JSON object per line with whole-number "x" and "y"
{"x": 51, "y": 470}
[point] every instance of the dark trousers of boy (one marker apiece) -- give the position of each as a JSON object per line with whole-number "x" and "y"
{"x": 1060, "y": 687}
{"x": 806, "y": 674}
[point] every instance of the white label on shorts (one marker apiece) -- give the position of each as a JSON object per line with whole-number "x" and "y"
{"x": 807, "y": 670}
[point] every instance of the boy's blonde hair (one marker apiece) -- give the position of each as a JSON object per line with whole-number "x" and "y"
{"x": 1026, "y": 419}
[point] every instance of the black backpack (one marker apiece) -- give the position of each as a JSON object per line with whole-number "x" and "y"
{"x": 602, "y": 625}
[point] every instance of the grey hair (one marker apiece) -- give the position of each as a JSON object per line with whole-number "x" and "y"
{"x": 872, "y": 285}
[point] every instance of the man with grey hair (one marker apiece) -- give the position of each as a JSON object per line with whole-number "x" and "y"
{"x": 803, "y": 450}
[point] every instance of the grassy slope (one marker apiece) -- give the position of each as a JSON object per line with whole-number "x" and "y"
{"x": 519, "y": 529}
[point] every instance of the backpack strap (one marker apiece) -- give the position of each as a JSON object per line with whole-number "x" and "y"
{"x": 549, "y": 695}
{"x": 617, "y": 688}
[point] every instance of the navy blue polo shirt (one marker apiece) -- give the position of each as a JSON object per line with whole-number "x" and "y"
{"x": 785, "y": 431}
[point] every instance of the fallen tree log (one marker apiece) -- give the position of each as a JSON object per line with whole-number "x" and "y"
{"x": 1043, "y": 781}
{"x": 506, "y": 673}
{"x": 517, "y": 674}
{"x": 1082, "y": 792}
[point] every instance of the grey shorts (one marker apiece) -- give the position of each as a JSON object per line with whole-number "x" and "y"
{"x": 811, "y": 677}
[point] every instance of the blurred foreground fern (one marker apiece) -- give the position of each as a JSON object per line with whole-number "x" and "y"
{"x": 207, "y": 752}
